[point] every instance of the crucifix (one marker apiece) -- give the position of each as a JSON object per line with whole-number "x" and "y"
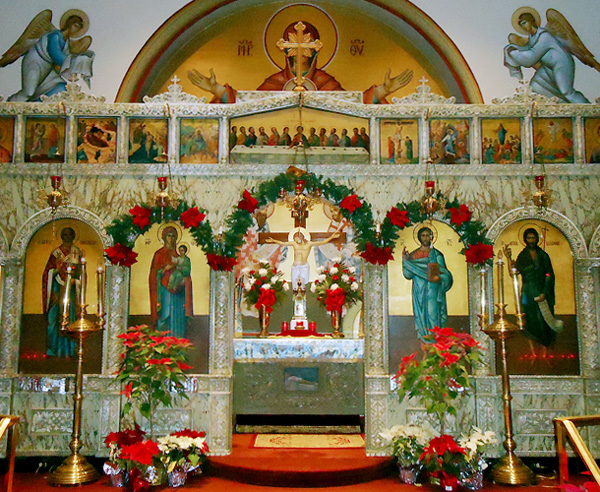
{"x": 300, "y": 47}
{"x": 303, "y": 241}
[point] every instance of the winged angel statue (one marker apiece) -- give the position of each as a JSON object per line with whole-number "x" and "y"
{"x": 549, "y": 51}
{"x": 50, "y": 55}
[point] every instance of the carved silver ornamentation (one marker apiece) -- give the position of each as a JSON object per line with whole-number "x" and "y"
{"x": 72, "y": 94}
{"x": 424, "y": 96}
{"x": 175, "y": 94}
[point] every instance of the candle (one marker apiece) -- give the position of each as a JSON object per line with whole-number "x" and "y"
{"x": 482, "y": 275}
{"x": 500, "y": 280}
{"x": 517, "y": 291}
{"x": 56, "y": 180}
{"x": 312, "y": 327}
{"x": 285, "y": 327}
{"x": 65, "y": 302}
{"x": 100, "y": 290}
{"x": 82, "y": 282}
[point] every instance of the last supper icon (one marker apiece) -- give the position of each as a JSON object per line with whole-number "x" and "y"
{"x": 298, "y": 270}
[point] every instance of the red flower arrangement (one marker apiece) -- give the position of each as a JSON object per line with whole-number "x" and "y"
{"x": 336, "y": 286}
{"x": 220, "y": 263}
{"x": 248, "y": 202}
{"x": 479, "y": 253}
{"x": 141, "y": 216}
{"x": 335, "y": 299}
{"x": 444, "y": 458}
{"x": 351, "y": 203}
{"x": 398, "y": 217}
{"x": 376, "y": 255}
{"x": 192, "y": 217}
{"x": 121, "y": 255}
{"x": 264, "y": 286}
{"x": 460, "y": 215}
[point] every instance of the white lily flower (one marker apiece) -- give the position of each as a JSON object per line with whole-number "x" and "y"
{"x": 354, "y": 286}
{"x": 352, "y": 269}
{"x": 333, "y": 270}
{"x": 263, "y": 272}
{"x": 285, "y": 286}
{"x": 313, "y": 287}
{"x": 334, "y": 286}
{"x": 345, "y": 278}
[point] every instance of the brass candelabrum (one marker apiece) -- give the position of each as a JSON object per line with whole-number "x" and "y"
{"x": 510, "y": 470}
{"x": 75, "y": 470}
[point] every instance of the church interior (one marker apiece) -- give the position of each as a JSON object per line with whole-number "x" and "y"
{"x": 287, "y": 201}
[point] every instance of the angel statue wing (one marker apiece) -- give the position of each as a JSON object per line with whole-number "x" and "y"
{"x": 40, "y": 25}
{"x": 560, "y": 28}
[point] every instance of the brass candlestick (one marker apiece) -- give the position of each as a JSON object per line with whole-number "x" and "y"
{"x": 510, "y": 470}
{"x": 75, "y": 470}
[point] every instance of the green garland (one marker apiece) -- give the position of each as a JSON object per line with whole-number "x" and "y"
{"x": 375, "y": 247}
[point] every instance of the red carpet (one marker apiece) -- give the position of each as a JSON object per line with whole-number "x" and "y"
{"x": 297, "y": 467}
{"x": 253, "y": 470}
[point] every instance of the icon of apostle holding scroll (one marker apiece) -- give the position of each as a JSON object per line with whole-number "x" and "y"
{"x": 431, "y": 279}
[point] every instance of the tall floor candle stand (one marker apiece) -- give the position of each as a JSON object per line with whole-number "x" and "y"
{"x": 510, "y": 470}
{"x": 75, "y": 470}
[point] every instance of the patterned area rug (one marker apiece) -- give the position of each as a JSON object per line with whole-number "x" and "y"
{"x": 309, "y": 441}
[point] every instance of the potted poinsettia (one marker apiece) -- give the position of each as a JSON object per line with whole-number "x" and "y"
{"x": 337, "y": 288}
{"x": 181, "y": 453}
{"x": 440, "y": 375}
{"x": 444, "y": 459}
{"x": 475, "y": 445}
{"x": 409, "y": 442}
{"x": 118, "y": 467}
{"x": 153, "y": 366}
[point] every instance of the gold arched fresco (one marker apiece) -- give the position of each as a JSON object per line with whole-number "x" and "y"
{"x": 387, "y": 34}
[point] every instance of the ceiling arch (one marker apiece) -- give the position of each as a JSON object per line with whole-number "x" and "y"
{"x": 187, "y": 39}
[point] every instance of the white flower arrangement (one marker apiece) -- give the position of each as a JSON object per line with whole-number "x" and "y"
{"x": 256, "y": 282}
{"x": 182, "y": 451}
{"x": 408, "y": 441}
{"x": 475, "y": 445}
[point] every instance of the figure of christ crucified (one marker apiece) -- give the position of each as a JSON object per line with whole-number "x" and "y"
{"x": 302, "y": 248}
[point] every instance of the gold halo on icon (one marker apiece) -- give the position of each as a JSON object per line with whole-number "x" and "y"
{"x": 162, "y": 227}
{"x": 293, "y": 13}
{"x": 301, "y": 230}
{"x": 428, "y": 225}
{"x": 525, "y": 10}
{"x": 58, "y": 231}
{"x": 183, "y": 243}
{"x": 540, "y": 230}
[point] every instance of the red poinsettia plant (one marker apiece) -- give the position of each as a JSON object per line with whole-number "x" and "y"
{"x": 153, "y": 366}
{"x": 116, "y": 442}
{"x": 441, "y": 373}
{"x": 444, "y": 459}
{"x": 263, "y": 286}
{"x": 336, "y": 286}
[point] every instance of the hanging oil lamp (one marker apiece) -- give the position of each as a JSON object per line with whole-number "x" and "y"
{"x": 56, "y": 197}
